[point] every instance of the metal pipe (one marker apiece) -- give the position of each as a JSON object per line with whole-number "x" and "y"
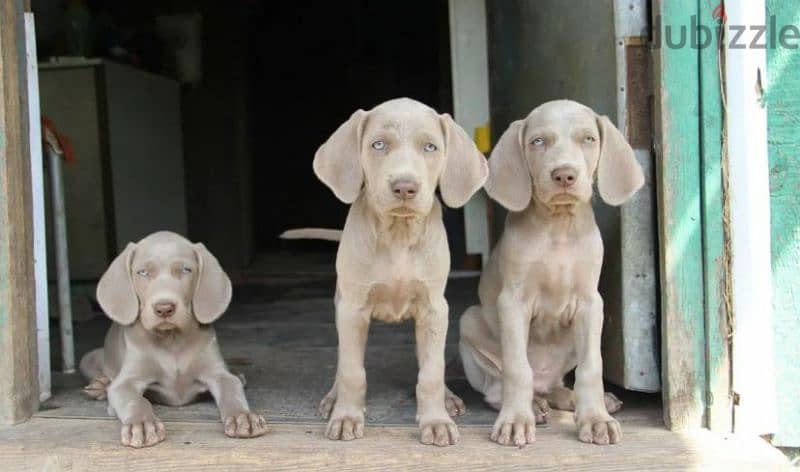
{"x": 39, "y": 226}
{"x": 62, "y": 262}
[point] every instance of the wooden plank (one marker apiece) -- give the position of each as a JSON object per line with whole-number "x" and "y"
{"x": 678, "y": 187}
{"x": 94, "y": 445}
{"x": 19, "y": 393}
{"x": 719, "y": 407}
{"x": 784, "y": 149}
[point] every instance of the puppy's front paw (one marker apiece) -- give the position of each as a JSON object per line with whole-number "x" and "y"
{"x": 145, "y": 433}
{"x": 600, "y": 429}
{"x": 439, "y": 432}
{"x": 514, "y": 428}
{"x": 245, "y": 425}
{"x": 345, "y": 425}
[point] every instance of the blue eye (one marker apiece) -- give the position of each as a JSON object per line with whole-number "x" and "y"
{"x": 143, "y": 273}
{"x": 186, "y": 270}
{"x": 379, "y": 145}
{"x": 430, "y": 147}
{"x": 589, "y": 140}
{"x": 538, "y": 142}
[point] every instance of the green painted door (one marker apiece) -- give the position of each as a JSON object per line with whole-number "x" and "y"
{"x": 783, "y": 97}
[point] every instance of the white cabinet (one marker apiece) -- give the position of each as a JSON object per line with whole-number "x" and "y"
{"x": 127, "y": 179}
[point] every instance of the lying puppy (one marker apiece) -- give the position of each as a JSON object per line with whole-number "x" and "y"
{"x": 541, "y": 314}
{"x": 393, "y": 259}
{"x": 162, "y": 293}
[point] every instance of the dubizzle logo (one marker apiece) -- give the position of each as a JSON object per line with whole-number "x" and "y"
{"x": 719, "y": 13}
{"x": 699, "y": 34}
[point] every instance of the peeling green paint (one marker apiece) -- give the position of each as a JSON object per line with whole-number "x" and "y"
{"x": 783, "y": 118}
{"x": 679, "y": 170}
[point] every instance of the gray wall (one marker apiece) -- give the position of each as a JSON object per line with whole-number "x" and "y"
{"x": 542, "y": 50}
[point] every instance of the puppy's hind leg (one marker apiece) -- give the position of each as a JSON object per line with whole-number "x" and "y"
{"x": 91, "y": 367}
{"x": 326, "y": 404}
{"x": 453, "y": 403}
{"x": 480, "y": 357}
{"x": 563, "y": 398}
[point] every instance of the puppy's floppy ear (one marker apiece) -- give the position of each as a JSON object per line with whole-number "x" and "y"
{"x": 619, "y": 175}
{"x": 213, "y": 291}
{"x": 509, "y": 180}
{"x": 115, "y": 292}
{"x": 465, "y": 170}
{"x": 337, "y": 162}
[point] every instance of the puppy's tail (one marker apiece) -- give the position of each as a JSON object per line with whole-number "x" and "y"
{"x": 313, "y": 233}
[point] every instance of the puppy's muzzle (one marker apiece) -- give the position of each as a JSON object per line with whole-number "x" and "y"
{"x": 404, "y": 188}
{"x": 164, "y": 309}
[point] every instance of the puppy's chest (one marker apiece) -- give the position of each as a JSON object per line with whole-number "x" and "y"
{"x": 397, "y": 300}
{"x": 395, "y": 287}
{"x": 557, "y": 280}
{"x": 177, "y": 383}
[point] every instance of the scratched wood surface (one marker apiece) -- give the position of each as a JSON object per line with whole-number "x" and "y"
{"x": 18, "y": 367}
{"x": 784, "y": 151}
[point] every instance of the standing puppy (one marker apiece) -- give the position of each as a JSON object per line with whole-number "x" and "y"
{"x": 393, "y": 259}
{"x": 541, "y": 314}
{"x": 162, "y": 293}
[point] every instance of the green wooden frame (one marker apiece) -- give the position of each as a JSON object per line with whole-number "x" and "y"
{"x": 693, "y": 264}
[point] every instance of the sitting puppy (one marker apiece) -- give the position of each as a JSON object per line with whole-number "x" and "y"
{"x": 541, "y": 314}
{"x": 393, "y": 259}
{"x": 162, "y": 293}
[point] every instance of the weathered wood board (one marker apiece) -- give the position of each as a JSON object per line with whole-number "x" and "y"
{"x": 19, "y": 393}
{"x": 678, "y": 163}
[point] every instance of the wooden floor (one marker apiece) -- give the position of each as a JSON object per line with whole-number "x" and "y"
{"x": 92, "y": 444}
{"x": 280, "y": 334}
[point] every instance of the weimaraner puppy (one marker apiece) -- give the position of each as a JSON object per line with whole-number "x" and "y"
{"x": 393, "y": 259}
{"x": 162, "y": 294}
{"x": 541, "y": 314}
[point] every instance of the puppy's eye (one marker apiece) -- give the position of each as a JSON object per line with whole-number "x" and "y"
{"x": 589, "y": 140}
{"x": 186, "y": 270}
{"x": 379, "y": 145}
{"x": 143, "y": 273}
{"x": 538, "y": 142}
{"x": 430, "y": 147}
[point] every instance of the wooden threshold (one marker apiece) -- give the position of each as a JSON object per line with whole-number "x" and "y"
{"x": 84, "y": 444}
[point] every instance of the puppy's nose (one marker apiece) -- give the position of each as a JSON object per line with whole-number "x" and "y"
{"x": 164, "y": 309}
{"x": 404, "y": 189}
{"x": 564, "y": 176}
